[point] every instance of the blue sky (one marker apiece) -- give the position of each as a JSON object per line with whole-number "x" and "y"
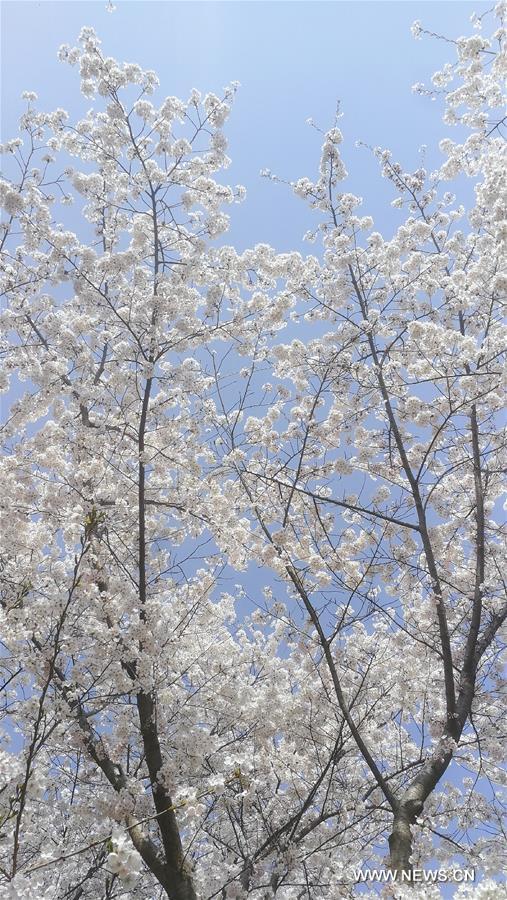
{"x": 294, "y": 60}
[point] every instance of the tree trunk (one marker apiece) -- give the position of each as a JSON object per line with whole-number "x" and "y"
{"x": 180, "y": 888}
{"x": 400, "y": 839}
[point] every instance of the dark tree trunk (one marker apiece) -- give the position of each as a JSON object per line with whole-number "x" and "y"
{"x": 400, "y": 839}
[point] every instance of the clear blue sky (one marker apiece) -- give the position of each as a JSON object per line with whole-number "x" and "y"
{"x": 293, "y": 59}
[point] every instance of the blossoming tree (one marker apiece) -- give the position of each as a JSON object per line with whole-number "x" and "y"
{"x": 164, "y": 739}
{"x": 165, "y": 745}
{"x": 374, "y": 476}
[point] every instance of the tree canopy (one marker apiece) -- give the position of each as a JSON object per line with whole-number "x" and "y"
{"x": 252, "y": 566}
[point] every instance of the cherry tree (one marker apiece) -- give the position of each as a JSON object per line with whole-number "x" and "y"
{"x": 147, "y": 721}
{"x": 163, "y": 739}
{"x": 372, "y": 480}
